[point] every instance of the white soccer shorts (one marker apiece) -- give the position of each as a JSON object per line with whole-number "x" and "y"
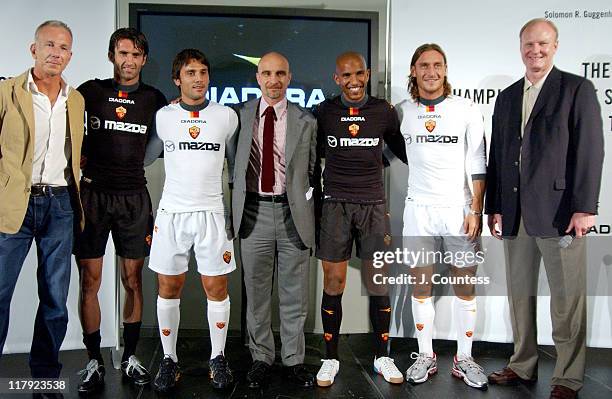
{"x": 175, "y": 233}
{"x": 438, "y": 231}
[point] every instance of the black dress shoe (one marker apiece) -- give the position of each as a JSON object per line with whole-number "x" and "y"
{"x": 258, "y": 374}
{"x": 299, "y": 375}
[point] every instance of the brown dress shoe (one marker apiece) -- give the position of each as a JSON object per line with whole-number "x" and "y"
{"x": 506, "y": 376}
{"x": 561, "y": 392}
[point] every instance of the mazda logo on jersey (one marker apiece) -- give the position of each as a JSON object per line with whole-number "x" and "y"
{"x": 332, "y": 141}
{"x": 407, "y": 139}
{"x": 353, "y": 129}
{"x": 430, "y": 125}
{"x": 120, "y": 111}
{"x": 94, "y": 122}
{"x": 168, "y": 147}
{"x": 194, "y": 132}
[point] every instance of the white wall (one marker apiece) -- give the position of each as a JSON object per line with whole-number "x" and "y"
{"x": 481, "y": 42}
{"x": 91, "y": 22}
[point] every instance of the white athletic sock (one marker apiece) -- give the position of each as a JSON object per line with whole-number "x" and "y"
{"x": 423, "y": 312}
{"x": 218, "y": 319}
{"x": 465, "y": 319}
{"x": 168, "y": 318}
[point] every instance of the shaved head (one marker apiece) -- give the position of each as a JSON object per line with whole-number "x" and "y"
{"x": 272, "y": 56}
{"x": 347, "y": 57}
{"x": 273, "y": 77}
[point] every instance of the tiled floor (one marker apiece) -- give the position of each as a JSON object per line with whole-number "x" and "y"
{"x": 355, "y": 380}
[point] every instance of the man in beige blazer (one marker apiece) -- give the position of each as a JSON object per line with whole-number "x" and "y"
{"x": 41, "y": 130}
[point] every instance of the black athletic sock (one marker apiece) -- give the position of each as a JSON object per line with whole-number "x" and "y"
{"x": 131, "y": 334}
{"x": 92, "y": 343}
{"x": 380, "y": 316}
{"x": 331, "y": 315}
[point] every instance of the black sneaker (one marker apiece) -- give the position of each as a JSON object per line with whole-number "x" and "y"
{"x": 135, "y": 372}
{"x": 220, "y": 374}
{"x": 92, "y": 377}
{"x": 168, "y": 375}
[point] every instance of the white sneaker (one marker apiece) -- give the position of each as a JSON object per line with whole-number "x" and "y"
{"x": 327, "y": 372}
{"x": 386, "y": 367}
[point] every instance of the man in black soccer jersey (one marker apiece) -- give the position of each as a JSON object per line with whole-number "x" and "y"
{"x": 120, "y": 115}
{"x": 351, "y": 130}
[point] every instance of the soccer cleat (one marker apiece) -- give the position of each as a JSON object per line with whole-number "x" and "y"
{"x": 470, "y": 372}
{"x": 92, "y": 377}
{"x": 422, "y": 368}
{"x": 386, "y": 367}
{"x": 135, "y": 372}
{"x": 327, "y": 372}
{"x": 168, "y": 375}
{"x": 221, "y": 376}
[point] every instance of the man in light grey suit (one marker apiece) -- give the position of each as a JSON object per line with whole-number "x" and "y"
{"x": 273, "y": 215}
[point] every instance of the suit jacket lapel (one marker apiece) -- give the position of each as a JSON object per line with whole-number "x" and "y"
{"x": 24, "y": 98}
{"x": 295, "y": 128}
{"x": 516, "y": 110}
{"x": 550, "y": 89}
{"x": 245, "y": 138}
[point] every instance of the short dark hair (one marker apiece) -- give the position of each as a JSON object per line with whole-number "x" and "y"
{"x": 138, "y": 38}
{"x": 183, "y": 58}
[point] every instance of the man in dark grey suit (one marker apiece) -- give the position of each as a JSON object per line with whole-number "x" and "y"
{"x": 543, "y": 184}
{"x": 273, "y": 215}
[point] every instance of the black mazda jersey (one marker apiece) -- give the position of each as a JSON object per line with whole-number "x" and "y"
{"x": 119, "y": 120}
{"x": 351, "y": 140}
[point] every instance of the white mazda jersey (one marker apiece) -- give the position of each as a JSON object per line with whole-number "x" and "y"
{"x": 194, "y": 152}
{"x": 445, "y": 146}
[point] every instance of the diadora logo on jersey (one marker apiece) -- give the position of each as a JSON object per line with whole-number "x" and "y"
{"x": 120, "y": 111}
{"x": 352, "y": 119}
{"x": 353, "y": 129}
{"x": 125, "y": 127}
{"x": 194, "y": 145}
{"x": 430, "y": 125}
{"x": 120, "y": 100}
{"x": 194, "y": 132}
{"x": 168, "y": 147}
{"x": 434, "y": 116}
{"x": 227, "y": 257}
{"x": 436, "y": 138}
{"x": 193, "y": 121}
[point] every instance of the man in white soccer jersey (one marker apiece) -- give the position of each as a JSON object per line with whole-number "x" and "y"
{"x": 193, "y": 134}
{"x": 445, "y": 148}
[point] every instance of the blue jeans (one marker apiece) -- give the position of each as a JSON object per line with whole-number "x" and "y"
{"x": 49, "y": 221}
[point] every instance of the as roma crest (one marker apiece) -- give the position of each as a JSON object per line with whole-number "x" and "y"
{"x": 148, "y": 239}
{"x": 327, "y": 336}
{"x": 353, "y": 129}
{"x": 420, "y": 326}
{"x": 165, "y": 331}
{"x": 227, "y": 257}
{"x": 194, "y": 132}
{"x": 220, "y": 325}
{"x": 120, "y": 111}
{"x": 469, "y": 334}
{"x": 385, "y": 337}
{"x": 430, "y": 125}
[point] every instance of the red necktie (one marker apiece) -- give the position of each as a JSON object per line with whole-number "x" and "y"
{"x": 267, "y": 162}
